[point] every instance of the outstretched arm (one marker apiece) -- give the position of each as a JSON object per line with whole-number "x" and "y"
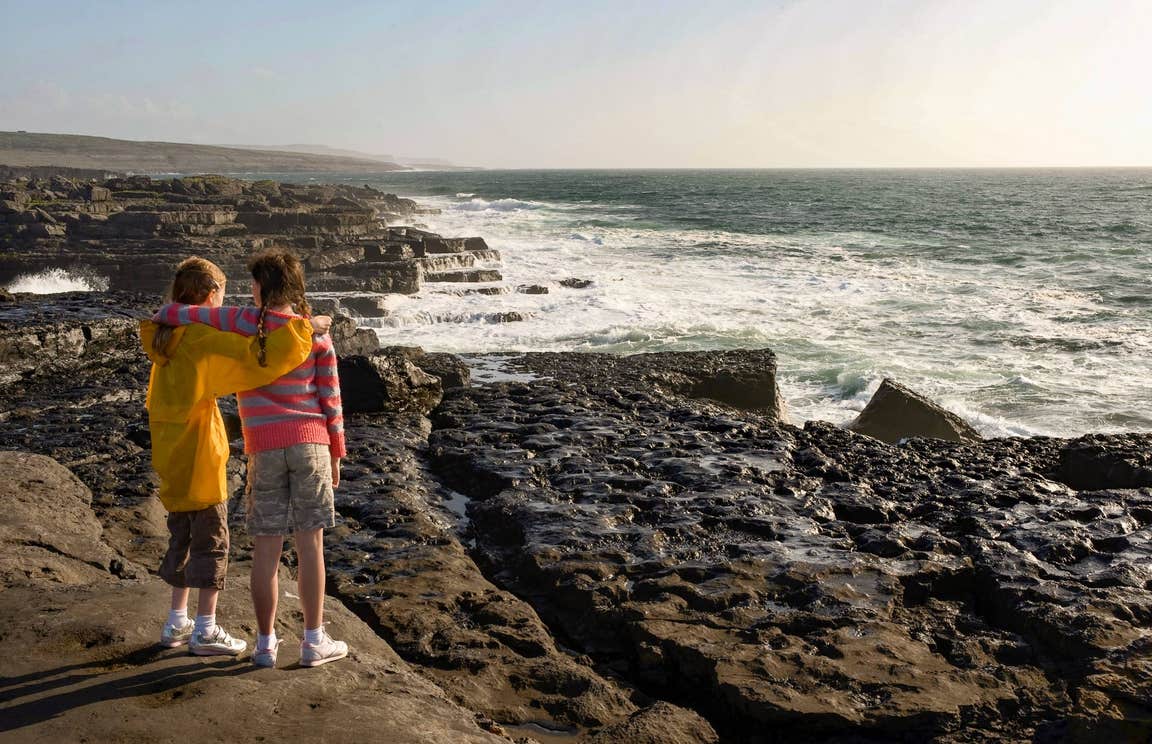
{"x": 241, "y": 320}
{"x": 229, "y": 318}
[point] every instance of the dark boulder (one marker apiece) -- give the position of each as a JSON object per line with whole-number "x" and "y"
{"x": 383, "y": 277}
{"x": 69, "y": 333}
{"x": 393, "y": 250}
{"x": 574, "y": 283}
{"x": 1101, "y": 461}
{"x": 437, "y": 244}
{"x": 451, "y": 370}
{"x": 387, "y": 382}
{"x": 896, "y": 413}
{"x": 44, "y": 230}
{"x": 509, "y": 316}
{"x": 350, "y": 340}
{"x": 321, "y": 306}
{"x": 18, "y": 198}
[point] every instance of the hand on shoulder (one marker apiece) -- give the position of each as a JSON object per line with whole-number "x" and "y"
{"x": 321, "y": 324}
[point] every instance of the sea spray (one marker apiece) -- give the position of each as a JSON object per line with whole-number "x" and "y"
{"x": 55, "y": 280}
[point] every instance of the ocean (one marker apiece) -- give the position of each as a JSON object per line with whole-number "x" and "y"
{"x": 1017, "y": 298}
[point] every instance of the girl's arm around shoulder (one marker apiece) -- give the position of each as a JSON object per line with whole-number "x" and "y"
{"x": 231, "y": 318}
{"x": 232, "y": 362}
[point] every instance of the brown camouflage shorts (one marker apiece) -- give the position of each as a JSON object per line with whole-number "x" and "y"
{"x": 290, "y": 490}
{"x": 197, "y": 556}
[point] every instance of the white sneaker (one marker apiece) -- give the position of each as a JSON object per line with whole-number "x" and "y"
{"x": 266, "y": 657}
{"x": 218, "y": 643}
{"x": 326, "y": 650}
{"x": 172, "y": 636}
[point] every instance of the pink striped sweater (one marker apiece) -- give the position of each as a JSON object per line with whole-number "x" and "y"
{"x": 301, "y": 407}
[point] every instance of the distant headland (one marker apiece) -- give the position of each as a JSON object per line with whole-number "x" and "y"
{"x": 103, "y": 153}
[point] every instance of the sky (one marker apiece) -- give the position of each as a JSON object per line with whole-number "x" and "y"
{"x": 597, "y": 84}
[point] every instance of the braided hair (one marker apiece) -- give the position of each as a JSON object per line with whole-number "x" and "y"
{"x": 196, "y": 278}
{"x": 281, "y": 279}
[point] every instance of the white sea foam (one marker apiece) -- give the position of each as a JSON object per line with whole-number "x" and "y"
{"x": 52, "y": 281}
{"x": 498, "y": 205}
{"x": 1007, "y": 350}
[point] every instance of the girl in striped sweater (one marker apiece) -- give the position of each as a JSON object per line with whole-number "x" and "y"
{"x": 294, "y": 438}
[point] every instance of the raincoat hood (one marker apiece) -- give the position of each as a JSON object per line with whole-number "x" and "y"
{"x": 148, "y": 331}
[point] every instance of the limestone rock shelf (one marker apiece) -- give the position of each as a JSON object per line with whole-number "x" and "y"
{"x": 130, "y": 232}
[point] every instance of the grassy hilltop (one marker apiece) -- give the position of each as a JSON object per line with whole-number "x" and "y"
{"x": 80, "y": 151}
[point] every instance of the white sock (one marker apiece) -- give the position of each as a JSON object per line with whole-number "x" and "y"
{"x": 313, "y": 636}
{"x": 205, "y": 624}
{"x": 265, "y": 642}
{"x": 177, "y": 618}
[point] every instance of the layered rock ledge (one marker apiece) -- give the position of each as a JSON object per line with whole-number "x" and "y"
{"x": 128, "y": 232}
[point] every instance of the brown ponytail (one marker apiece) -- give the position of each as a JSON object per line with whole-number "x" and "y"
{"x": 196, "y": 278}
{"x": 281, "y": 279}
{"x": 262, "y": 334}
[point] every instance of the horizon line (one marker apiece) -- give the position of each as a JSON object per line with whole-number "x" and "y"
{"x": 465, "y": 168}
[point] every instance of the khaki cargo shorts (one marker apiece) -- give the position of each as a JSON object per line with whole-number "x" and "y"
{"x": 290, "y": 490}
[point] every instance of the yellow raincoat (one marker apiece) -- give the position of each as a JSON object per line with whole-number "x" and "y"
{"x": 189, "y": 445}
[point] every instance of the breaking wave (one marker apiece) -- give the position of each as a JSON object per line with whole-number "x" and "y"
{"x": 53, "y": 281}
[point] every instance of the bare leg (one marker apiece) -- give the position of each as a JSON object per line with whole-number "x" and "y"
{"x": 265, "y": 581}
{"x": 179, "y": 598}
{"x": 206, "y": 602}
{"x": 310, "y": 577}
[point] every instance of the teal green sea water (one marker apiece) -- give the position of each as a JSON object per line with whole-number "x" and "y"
{"x": 1018, "y": 298}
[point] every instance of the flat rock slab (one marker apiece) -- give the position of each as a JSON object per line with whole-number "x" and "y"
{"x": 89, "y": 670}
{"x": 47, "y": 529}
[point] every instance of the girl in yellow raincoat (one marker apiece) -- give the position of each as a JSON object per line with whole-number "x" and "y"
{"x": 191, "y": 367}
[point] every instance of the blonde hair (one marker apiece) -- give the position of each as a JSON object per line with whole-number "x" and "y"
{"x": 196, "y": 279}
{"x": 281, "y": 278}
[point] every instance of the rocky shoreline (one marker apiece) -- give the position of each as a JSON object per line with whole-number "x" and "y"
{"x": 589, "y": 548}
{"x": 125, "y": 230}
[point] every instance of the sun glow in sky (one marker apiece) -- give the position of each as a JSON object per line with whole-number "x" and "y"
{"x": 773, "y": 83}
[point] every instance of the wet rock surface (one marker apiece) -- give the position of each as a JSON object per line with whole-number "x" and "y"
{"x": 809, "y": 583}
{"x": 604, "y": 551}
{"x": 398, "y": 562}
